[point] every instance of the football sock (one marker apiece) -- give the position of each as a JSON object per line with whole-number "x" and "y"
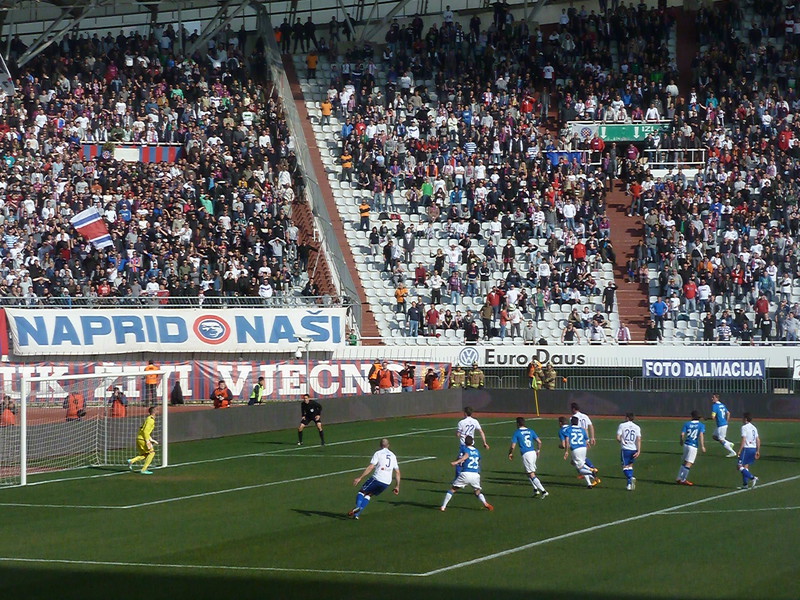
{"x": 322, "y": 436}
{"x": 589, "y": 464}
{"x": 588, "y": 479}
{"x": 585, "y": 470}
{"x": 364, "y": 501}
{"x": 728, "y": 445}
{"x": 538, "y": 484}
{"x": 359, "y": 500}
{"x": 746, "y": 474}
{"x": 300, "y": 436}
{"x": 148, "y": 460}
{"x": 482, "y": 498}
{"x": 683, "y": 473}
{"x": 136, "y": 459}
{"x": 447, "y": 498}
{"x": 628, "y": 474}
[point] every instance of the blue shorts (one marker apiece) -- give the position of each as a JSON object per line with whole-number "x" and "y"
{"x": 748, "y": 457}
{"x": 627, "y": 457}
{"x": 373, "y": 487}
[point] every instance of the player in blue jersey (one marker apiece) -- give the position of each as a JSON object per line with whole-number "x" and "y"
{"x": 382, "y": 465}
{"x": 692, "y": 438}
{"x": 467, "y": 426}
{"x": 470, "y": 474}
{"x": 575, "y": 441}
{"x": 526, "y": 438}
{"x": 749, "y": 452}
{"x": 721, "y": 416}
{"x": 629, "y": 435}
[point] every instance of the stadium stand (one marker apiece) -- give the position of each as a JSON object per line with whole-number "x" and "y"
{"x": 721, "y": 247}
{"x": 441, "y": 182}
{"x": 213, "y": 221}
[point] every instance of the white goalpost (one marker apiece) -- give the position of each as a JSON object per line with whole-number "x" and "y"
{"x": 80, "y": 421}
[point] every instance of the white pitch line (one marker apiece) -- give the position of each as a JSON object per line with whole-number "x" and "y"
{"x": 578, "y": 532}
{"x": 731, "y": 510}
{"x": 26, "y": 505}
{"x": 204, "y": 494}
{"x": 151, "y": 566}
{"x": 257, "y": 486}
{"x": 251, "y": 455}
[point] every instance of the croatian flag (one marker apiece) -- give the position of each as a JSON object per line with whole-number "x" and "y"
{"x": 90, "y": 225}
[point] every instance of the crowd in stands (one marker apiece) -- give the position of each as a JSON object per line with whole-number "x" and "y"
{"x": 725, "y": 242}
{"x": 470, "y": 156}
{"x": 215, "y": 223}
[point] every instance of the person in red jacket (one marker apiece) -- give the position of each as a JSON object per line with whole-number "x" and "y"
{"x": 690, "y": 295}
{"x": 579, "y": 251}
{"x": 762, "y": 309}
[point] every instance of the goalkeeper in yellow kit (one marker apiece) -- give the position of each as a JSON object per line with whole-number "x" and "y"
{"x": 145, "y": 444}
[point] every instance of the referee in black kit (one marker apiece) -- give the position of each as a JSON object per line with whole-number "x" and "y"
{"x": 310, "y": 412}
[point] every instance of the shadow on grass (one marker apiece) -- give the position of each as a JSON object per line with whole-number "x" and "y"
{"x": 781, "y": 459}
{"x": 43, "y": 582}
{"x": 321, "y": 513}
{"x": 433, "y": 481}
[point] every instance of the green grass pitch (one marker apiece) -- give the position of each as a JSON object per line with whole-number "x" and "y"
{"x": 256, "y": 516}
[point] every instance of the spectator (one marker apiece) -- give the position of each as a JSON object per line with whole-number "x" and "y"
{"x": 659, "y": 309}
{"x": 221, "y": 396}
{"x": 570, "y": 335}
{"x": 623, "y": 335}
{"x": 653, "y": 333}
{"x": 529, "y": 333}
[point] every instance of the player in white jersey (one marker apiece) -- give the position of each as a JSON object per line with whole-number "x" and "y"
{"x": 468, "y": 426}
{"x": 584, "y": 422}
{"x": 749, "y": 452}
{"x": 382, "y": 465}
{"x": 629, "y": 435}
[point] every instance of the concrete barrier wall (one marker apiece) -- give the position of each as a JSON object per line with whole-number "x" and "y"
{"x": 204, "y": 424}
{"x": 652, "y": 404}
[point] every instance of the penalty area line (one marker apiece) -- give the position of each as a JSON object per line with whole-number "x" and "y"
{"x": 151, "y": 566}
{"x": 205, "y": 494}
{"x": 258, "y": 486}
{"x": 663, "y": 511}
{"x": 731, "y": 510}
{"x": 283, "y": 451}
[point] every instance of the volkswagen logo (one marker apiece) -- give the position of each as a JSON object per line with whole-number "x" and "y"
{"x": 467, "y": 356}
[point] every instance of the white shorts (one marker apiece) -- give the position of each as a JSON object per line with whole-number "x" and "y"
{"x": 689, "y": 453}
{"x": 579, "y": 457}
{"x": 529, "y": 461}
{"x": 721, "y": 432}
{"x": 464, "y": 479}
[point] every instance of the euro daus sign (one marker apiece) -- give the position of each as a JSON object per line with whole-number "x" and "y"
{"x": 714, "y": 369}
{"x": 118, "y": 331}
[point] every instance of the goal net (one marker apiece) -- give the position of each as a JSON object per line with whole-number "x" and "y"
{"x": 78, "y": 421}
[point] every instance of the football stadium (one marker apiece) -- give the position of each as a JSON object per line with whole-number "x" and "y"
{"x": 315, "y": 299}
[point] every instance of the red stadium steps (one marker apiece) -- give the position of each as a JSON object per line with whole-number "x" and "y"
{"x": 632, "y": 298}
{"x": 324, "y": 277}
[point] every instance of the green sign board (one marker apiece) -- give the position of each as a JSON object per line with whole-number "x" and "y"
{"x": 617, "y": 132}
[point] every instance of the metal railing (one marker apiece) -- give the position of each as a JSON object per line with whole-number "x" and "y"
{"x": 343, "y": 280}
{"x": 621, "y": 383}
{"x": 173, "y": 302}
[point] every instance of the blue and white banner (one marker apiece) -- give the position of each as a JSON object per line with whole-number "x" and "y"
{"x": 715, "y": 369}
{"x": 82, "y": 332}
